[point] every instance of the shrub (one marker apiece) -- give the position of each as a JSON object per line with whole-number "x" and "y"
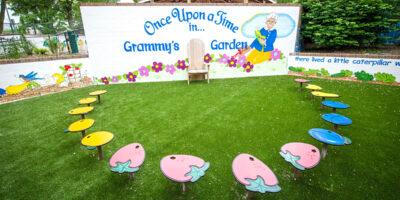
{"x": 385, "y": 77}
{"x": 296, "y": 69}
{"x": 26, "y": 45}
{"x": 13, "y": 50}
{"x": 346, "y": 73}
{"x": 346, "y": 23}
{"x": 324, "y": 72}
{"x": 53, "y": 43}
{"x": 343, "y": 73}
{"x": 364, "y": 76}
{"x": 40, "y": 51}
{"x": 314, "y": 72}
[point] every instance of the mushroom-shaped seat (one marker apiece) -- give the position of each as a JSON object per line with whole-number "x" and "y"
{"x": 128, "y": 159}
{"x": 301, "y": 155}
{"x": 254, "y": 174}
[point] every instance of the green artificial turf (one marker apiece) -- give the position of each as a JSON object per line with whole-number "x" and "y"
{"x": 216, "y": 122}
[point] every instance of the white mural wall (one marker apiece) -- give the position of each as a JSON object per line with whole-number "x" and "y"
{"x": 149, "y": 43}
{"x": 379, "y": 69}
{"x": 18, "y": 77}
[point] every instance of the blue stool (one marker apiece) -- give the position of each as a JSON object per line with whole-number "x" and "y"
{"x": 335, "y": 105}
{"x": 336, "y": 120}
{"x": 328, "y": 137}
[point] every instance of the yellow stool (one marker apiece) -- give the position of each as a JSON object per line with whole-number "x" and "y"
{"x": 81, "y": 111}
{"x": 97, "y": 139}
{"x": 324, "y": 95}
{"x": 98, "y": 93}
{"x": 87, "y": 101}
{"x": 313, "y": 87}
{"x": 81, "y": 126}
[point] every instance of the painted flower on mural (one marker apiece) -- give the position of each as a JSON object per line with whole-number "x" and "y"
{"x": 207, "y": 58}
{"x": 275, "y": 54}
{"x": 144, "y": 71}
{"x": 114, "y": 79}
{"x": 181, "y": 64}
{"x": 157, "y": 67}
{"x": 232, "y": 62}
{"x": 248, "y": 67}
{"x": 242, "y": 60}
{"x": 170, "y": 69}
{"x": 224, "y": 59}
{"x": 105, "y": 80}
{"x": 67, "y": 67}
{"x": 131, "y": 77}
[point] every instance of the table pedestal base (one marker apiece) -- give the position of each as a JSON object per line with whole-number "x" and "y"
{"x": 324, "y": 150}
{"x": 100, "y": 151}
{"x": 183, "y": 187}
{"x": 296, "y": 173}
{"x": 131, "y": 175}
{"x": 335, "y": 127}
{"x": 83, "y": 133}
{"x": 249, "y": 194}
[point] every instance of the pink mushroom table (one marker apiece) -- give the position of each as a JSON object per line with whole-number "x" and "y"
{"x": 183, "y": 168}
{"x": 128, "y": 159}
{"x": 301, "y": 81}
{"x": 254, "y": 174}
{"x": 301, "y": 155}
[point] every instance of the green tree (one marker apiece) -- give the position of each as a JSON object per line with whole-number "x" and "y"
{"x": 2, "y": 14}
{"x": 50, "y": 16}
{"x": 346, "y": 23}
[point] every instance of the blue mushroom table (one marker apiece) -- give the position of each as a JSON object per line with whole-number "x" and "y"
{"x": 335, "y": 105}
{"x": 328, "y": 137}
{"x": 336, "y": 120}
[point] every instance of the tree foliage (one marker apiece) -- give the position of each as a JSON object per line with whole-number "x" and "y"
{"x": 346, "y": 23}
{"x": 50, "y": 16}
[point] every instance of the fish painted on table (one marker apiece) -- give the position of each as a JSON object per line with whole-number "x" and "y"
{"x": 301, "y": 155}
{"x": 128, "y": 159}
{"x": 183, "y": 168}
{"x": 254, "y": 174}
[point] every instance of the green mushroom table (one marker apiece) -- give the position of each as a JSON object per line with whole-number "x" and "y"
{"x": 98, "y": 139}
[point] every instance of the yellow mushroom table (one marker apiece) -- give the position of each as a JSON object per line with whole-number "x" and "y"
{"x": 98, "y": 93}
{"x": 324, "y": 95}
{"x": 81, "y": 126}
{"x": 87, "y": 101}
{"x": 313, "y": 87}
{"x": 98, "y": 139}
{"x": 81, "y": 111}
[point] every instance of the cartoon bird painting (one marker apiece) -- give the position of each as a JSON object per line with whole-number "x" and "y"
{"x": 28, "y": 79}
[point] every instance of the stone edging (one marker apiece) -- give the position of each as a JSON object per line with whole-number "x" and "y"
{"x": 43, "y": 58}
{"x": 350, "y": 55}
